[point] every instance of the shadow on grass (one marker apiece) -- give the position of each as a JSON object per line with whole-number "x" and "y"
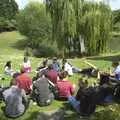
{"x": 20, "y": 44}
{"x": 106, "y": 58}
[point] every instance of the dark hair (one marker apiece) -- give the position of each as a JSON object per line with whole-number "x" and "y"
{"x": 63, "y": 75}
{"x": 16, "y": 74}
{"x": 50, "y": 66}
{"x": 8, "y": 64}
{"x": 115, "y": 63}
{"x": 22, "y": 70}
{"x": 25, "y": 58}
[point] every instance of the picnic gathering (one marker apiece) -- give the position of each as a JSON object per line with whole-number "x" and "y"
{"x": 51, "y": 82}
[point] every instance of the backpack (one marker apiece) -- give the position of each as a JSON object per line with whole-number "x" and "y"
{"x": 87, "y": 104}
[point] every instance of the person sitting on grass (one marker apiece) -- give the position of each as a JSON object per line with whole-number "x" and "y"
{"x": 67, "y": 67}
{"x": 75, "y": 101}
{"x": 27, "y": 64}
{"x": 8, "y": 69}
{"x": 64, "y": 87}
{"x": 23, "y": 81}
{"x": 15, "y": 102}
{"x": 43, "y": 66}
{"x": 41, "y": 92}
{"x": 56, "y": 65}
{"x": 115, "y": 74}
{"x": 51, "y": 74}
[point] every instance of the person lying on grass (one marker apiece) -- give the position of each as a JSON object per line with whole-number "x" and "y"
{"x": 64, "y": 87}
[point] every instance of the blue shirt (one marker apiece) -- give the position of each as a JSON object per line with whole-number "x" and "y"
{"x": 117, "y": 72}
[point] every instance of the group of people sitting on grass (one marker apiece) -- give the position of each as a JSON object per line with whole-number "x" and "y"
{"x": 52, "y": 82}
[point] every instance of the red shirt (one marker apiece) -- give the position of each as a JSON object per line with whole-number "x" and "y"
{"x": 52, "y": 76}
{"x": 24, "y": 82}
{"x": 65, "y": 88}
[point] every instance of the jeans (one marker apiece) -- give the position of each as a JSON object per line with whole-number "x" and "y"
{"x": 75, "y": 104}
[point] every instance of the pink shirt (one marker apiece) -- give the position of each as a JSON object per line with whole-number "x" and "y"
{"x": 65, "y": 88}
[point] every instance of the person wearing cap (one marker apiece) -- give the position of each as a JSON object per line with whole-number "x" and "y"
{"x": 23, "y": 81}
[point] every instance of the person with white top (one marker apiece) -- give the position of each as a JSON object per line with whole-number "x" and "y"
{"x": 27, "y": 64}
{"x": 8, "y": 69}
{"x": 67, "y": 67}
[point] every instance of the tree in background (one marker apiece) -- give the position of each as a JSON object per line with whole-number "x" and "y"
{"x": 34, "y": 23}
{"x": 90, "y": 23}
{"x": 8, "y": 11}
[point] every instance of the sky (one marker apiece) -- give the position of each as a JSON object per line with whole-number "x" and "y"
{"x": 115, "y": 4}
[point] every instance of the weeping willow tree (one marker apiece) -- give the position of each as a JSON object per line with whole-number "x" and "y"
{"x": 96, "y": 22}
{"x": 76, "y": 20}
{"x": 63, "y": 22}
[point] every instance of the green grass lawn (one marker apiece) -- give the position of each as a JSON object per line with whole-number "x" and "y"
{"x": 8, "y": 51}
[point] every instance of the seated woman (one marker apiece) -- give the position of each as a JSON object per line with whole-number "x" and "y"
{"x": 67, "y": 67}
{"x": 27, "y": 64}
{"x": 15, "y": 101}
{"x": 64, "y": 87}
{"x": 8, "y": 68}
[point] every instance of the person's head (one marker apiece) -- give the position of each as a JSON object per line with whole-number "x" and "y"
{"x": 22, "y": 70}
{"x": 55, "y": 59}
{"x": 115, "y": 64}
{"x": 50, "y": 67}
{"x": 8, "y": 64}
{"x": 83, "y": 82}
{"x": 63, "y": 75}
{"x": 25, "y": 58}
{"x": 15, "y": 75}
{"x": 64, "y": 61}
{"x": 45, "y": 62}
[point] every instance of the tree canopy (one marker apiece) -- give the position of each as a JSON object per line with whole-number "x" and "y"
{"x": 73, "y": 20}
{"x": 8, "y": 9}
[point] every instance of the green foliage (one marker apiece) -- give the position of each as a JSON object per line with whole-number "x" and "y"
{"x": 75, "y": 18}
{"x": 7, "y": 25}
{"x": 8, "y": 9}
{"x": 34, "y": 23}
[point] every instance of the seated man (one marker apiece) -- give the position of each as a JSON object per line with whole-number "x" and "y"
{"x": 64, "y": 87}
{"x": 43, "y": 66}
{"x": 41, "y": 92}
{"x": 75, "y": 101}
{"x": 56, "y": 65}
{"x": 16, "y": 104}
{"x": 88, "y": 97}
{"x": 23, "y": 81}
{"x": 51, "y": 74}
{"x": 115, "y": 74}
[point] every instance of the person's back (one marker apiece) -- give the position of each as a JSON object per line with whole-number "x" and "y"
{"x": 51, "y": 74}
{"x": 13, "y": 98}
{"x": 41, "y": 92}
{"x": 24, "y": 82}
{"x": 64, "y": 87}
